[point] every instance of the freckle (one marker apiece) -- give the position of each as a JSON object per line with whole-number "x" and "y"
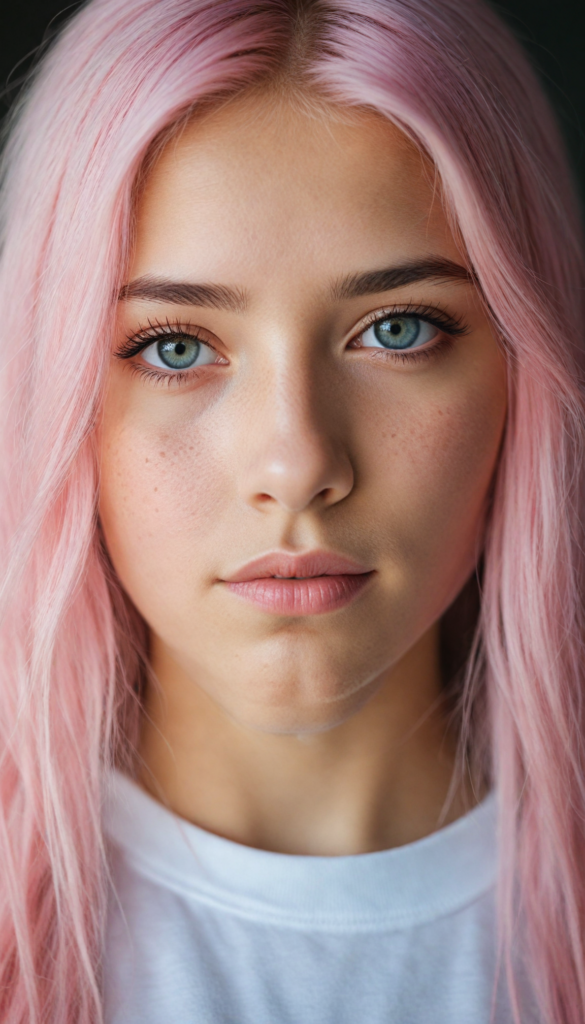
{"x": 155, "y": 489}
{"x": 146, "y": 460}
{"x": 162, "y": 455}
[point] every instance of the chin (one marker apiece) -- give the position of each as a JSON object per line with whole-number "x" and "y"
{"x": 294, "y": 714}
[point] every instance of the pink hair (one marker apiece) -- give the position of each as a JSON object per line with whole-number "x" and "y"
{"x": 450, "y": 75}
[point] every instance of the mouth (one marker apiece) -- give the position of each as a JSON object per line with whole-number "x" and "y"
{"x": 294, "y": 585}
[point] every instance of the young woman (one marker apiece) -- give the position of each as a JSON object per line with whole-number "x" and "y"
{"x": 292, "y": 523}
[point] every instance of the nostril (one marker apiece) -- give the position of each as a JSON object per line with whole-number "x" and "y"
{"x": 296, "y": 476}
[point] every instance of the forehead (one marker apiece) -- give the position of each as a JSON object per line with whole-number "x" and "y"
{"x": 261, "y": 185}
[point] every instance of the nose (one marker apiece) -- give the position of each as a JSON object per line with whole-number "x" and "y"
{"x": 296, "y": 456}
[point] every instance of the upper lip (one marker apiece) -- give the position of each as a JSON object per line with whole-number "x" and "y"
{"x": 309, "y": 564}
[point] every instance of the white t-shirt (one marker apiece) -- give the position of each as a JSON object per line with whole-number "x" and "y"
{"x": 202, "y": 930}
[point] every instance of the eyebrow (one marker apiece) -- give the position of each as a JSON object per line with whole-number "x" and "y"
{"x": 386, "y": 280}
{"x": 219, "y": 296}
{"x": 185, "y": 293}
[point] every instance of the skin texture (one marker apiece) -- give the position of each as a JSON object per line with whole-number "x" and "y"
{"x": 321, "y": 734}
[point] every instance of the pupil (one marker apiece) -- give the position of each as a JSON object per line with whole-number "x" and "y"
{"x": 179, "y": 353}
{"x": 398, "y": 332}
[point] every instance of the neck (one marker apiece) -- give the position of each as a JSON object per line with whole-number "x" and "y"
{"x": 378, "y": 780}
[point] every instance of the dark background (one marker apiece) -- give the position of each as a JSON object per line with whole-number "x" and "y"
{"x": 553, "y": 32}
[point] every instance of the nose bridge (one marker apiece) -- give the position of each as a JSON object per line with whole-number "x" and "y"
{"x": 296, "y": 448}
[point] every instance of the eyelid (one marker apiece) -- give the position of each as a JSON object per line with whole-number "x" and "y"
{"x": 141, "y": 339}
{"x": 440, "y": 318}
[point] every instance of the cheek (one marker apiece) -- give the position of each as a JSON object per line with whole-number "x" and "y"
{"x": 448, "y": 452}
{"x": 160, "y": 488}
{"x": 430, "y": 473}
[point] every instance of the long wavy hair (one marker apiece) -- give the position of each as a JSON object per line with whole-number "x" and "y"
{"x": 448, "y": 73}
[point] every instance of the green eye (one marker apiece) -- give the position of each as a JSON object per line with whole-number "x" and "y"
{"x": 178, "y": 352}
{"x": 399, "y": 333}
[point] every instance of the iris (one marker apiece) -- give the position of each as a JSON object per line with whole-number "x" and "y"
{"x": 397, "y": 332}
{"x": 179, "y": 353}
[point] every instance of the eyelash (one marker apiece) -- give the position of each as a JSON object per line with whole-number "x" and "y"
{"x": 450, "y": 326}
{"x": 136, "y": 343}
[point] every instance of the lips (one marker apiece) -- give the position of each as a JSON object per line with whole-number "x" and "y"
{"x": 307, "y": 584}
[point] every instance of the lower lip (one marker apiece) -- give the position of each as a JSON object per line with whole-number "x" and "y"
{"x": 311, "y": 596}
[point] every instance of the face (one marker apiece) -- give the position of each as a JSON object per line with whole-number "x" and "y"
{"x": 303, "y": 384}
